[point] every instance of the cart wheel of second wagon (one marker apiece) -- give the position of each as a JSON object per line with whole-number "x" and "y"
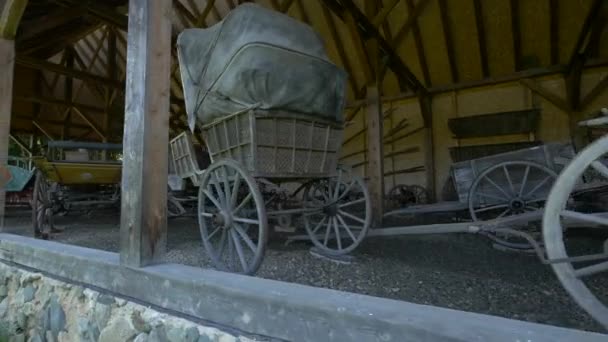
{"x": 586, "y": 271}
{"x": 340, "y": 213}
{"x": 42, "y": 217}
{"x": 232, "y": 218}
{"x": 506, "y": 189}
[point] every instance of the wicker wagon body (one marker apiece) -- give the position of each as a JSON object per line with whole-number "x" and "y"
{"x": 276, "y": 144}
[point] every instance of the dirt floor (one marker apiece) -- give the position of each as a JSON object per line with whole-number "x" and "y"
{"x": 455, "y": 271}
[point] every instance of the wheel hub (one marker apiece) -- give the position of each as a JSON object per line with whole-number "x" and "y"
{"x": 223, "y": 220}
{"x": 331, "y": 210}
{"x": 517, "y": 204}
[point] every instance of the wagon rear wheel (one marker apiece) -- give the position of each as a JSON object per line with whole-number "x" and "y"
{"x": 507, "y": 189}
{"x": 588, "y": 271}
{"x": 232, "y": 218}
{"x": 340, "y": 213}
{"x": 42, "y": 215}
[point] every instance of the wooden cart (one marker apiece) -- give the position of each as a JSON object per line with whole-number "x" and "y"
{"x": 272, "y": 166}
{"x": 74, "y": 175}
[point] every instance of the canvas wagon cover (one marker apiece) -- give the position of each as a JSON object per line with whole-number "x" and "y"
{"x": 258, "y": 58}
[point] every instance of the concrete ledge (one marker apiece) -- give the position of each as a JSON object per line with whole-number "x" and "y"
{"x": 270, "y": 308}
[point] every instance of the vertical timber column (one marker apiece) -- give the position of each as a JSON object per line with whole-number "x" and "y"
{"x": 7, "y": 62}
{"x": 429, "y": 146}
{"x": 11, "y": 12}
{"x": 375, "y": 149}
{"x": 143, "y": 224}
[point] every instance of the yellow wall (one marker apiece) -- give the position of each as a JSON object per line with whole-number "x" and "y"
{"x": 510, "y": 96}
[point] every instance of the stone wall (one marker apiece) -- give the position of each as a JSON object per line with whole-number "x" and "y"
{"x": 37, "y": 308}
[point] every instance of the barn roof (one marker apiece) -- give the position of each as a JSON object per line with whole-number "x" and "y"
{"x": 425, "y": 47}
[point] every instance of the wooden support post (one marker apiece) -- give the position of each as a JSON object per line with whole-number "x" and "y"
{"x": 68, "y": 95}
{"x": 143, "y": 225}
{"x": 429, "y": 146}
{"x": 7, "y": 58}
{"x": 375, "y": 149}
{"x": 11, "y": 12}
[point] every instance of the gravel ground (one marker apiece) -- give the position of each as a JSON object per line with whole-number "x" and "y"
{"x": 453, "y": 271}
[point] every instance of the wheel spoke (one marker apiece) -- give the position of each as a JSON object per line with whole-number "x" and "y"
{"x": 353, "y": 217}
{"x": 585, "y": 217}
{"x": 209, "y": 215}
{"x": 504, "y": 167}
{"x": 245, "y": 238}
{"x": 227, "y": 187}
{"x": 346, "y": 191}
{"x": 498, "y": 198}
{"x": 337, "y": 191}
{"x": 318, "y": 226}
{"x": 492, "y": 207}
{"x": 537, "y": 187}
{"x": 235, "y": 189}
{"x": 230, "y": 250}
{"x": 600, "y": 167}
{"x": 524, "y": 181}
{"x": 239, "y": 250}
{"x": 245, "y": 220}
{"x": 243, "y": 202}
{"x": 337, "y": 232}
{"x": 213, "y": 200}
{"x": 504, "y": 213}
{"x": 213, "y": 233}
{"x": 350, "y": 233}
{"x": 216, "y": 183}
{"x": 497, "y": 187}
{"x": 360, "y": 200}
{"x": 327, "y": 232}
{"x": 590, "y": 270}
{"x": 222, "y": 244}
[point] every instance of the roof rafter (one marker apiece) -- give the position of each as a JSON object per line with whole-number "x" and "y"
{"x": 101, "y": 12}
{"x": 367, "y": 30}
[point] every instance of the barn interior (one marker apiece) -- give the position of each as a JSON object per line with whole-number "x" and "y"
{"x": 451, "y": 109}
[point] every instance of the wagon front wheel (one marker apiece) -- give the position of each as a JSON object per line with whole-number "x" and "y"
{"x": 582, "y": 270}
{"x": 42, "y": 209}
{"x": 232, "y": 218}
{"x": 339, "y": 213}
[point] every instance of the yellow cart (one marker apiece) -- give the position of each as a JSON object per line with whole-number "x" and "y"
{"x": 74, "y": 175}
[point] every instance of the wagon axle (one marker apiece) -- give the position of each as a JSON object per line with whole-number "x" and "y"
{"x": 517, "y": 204}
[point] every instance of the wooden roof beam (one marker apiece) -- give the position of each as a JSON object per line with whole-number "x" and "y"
{"x": 449, "y": 43}
{"x": 101, "y": 12}
{"x": 419, "y": 46}
{"x": 586, "y": 46}
{"x": 515, "y": 33}
{"x": 367, "y": 30}
{"x": 286, "y": 5}
{"x": 381, "y": 16}
{"x": 481, "y": 38}
{"x": 554, "y": 30}
{"x": 185, "y": 13}
{"x": 331, "y": 25}
{"x": 49, "y": 21}
{"x": 411, "y": 19}
{"x": 36, "y": 64}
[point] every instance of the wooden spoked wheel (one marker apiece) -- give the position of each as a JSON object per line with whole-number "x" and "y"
{"x": 506, "y": 189}
{"x": 42, "y": 207}
{"x": 402, "y": 196}
{"x": 591, "y": 269}
{"x": 232, "y": 218}
{"x": 340, "y": 213}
